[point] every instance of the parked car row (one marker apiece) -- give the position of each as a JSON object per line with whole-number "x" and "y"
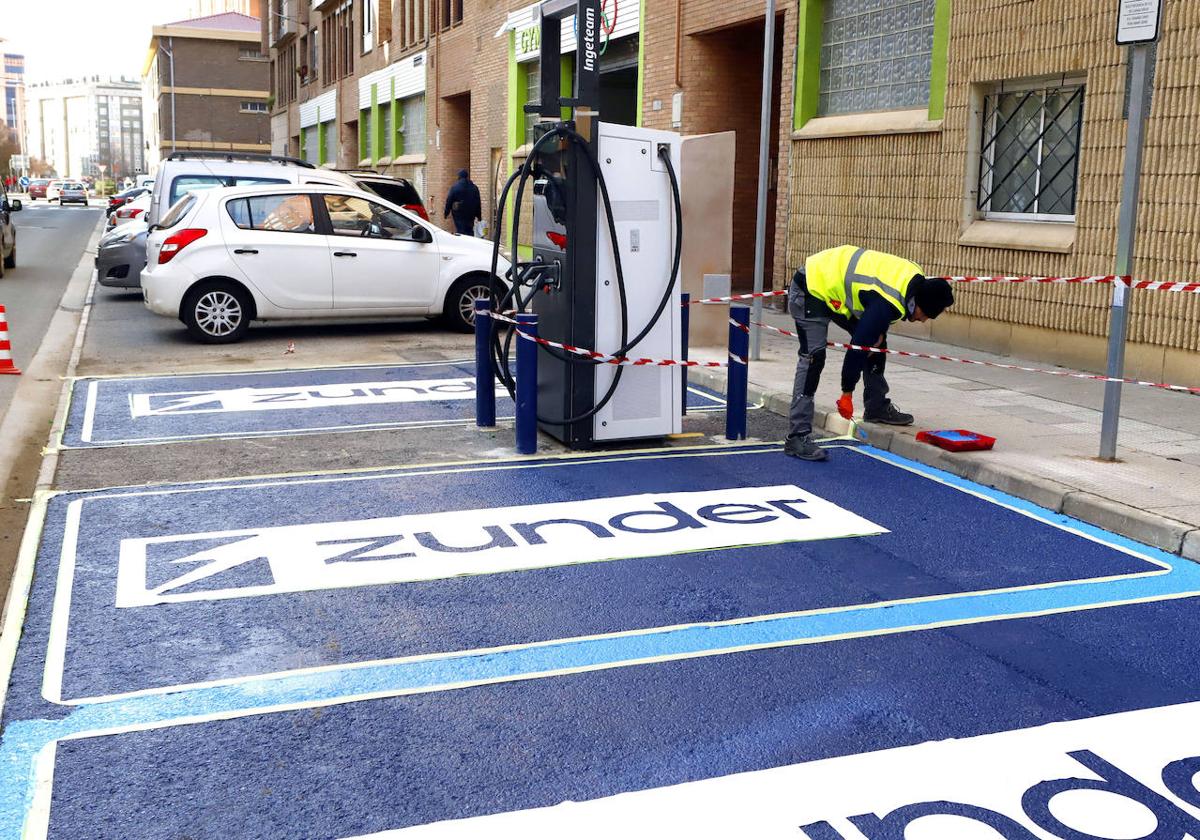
{"x": 221, "y": 240}
{"x": 62, "y": 190}
{"x": 8, "y": 233}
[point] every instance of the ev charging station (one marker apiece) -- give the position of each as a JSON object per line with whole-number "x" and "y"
{"x": 604, "y": 275}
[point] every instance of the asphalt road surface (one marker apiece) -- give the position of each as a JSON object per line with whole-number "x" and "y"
{"x": 50, "y": 241}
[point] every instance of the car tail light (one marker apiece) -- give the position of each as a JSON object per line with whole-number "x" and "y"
{"x": 419, "y": 209}
{"x": 135, "y": 212}
{"x": 176, "y": 242}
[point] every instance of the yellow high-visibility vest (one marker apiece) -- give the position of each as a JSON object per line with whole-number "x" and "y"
{"x": 838, "y": 276}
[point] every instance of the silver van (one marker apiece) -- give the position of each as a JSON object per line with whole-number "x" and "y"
{"x": 184, "y": 172}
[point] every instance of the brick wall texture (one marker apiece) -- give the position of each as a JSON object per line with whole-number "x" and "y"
{"x": 905, "y": 193}
{"x": 902, "y": 193}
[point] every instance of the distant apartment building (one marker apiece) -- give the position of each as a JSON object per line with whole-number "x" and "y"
{"x": 86, "y": 127}
{"x": 13, "y": 113}
{"x": 205, "y": 87}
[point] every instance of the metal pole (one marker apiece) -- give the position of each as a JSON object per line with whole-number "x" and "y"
{"x": 485, "y": 381}
{"x": 764, "y": 171}
{"x": 739, "y": 372}
{"x": 685, "y": 322}
{"x": 1118, "y": 325}
{"x": 527, "y": 385}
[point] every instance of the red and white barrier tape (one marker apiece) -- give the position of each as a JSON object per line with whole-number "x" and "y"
{"x": 605, "y": 358}
{"x": 937, "y": 357}
{"x": 1095, "y": 280}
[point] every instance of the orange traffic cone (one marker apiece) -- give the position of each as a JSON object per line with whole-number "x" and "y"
{"x": 6, "y": 359}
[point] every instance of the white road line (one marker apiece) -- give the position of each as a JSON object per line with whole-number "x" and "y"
{"x": 89, "y": 413}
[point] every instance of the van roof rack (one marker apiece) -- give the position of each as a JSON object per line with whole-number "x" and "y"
{"x": 230, "y": 157}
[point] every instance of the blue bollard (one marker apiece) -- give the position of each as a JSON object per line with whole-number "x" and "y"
{"x": 527, "y": 383}
{"x": 739, "y": 373}
{"x": 685, "y": 321}
{"x": 485, "y": 381}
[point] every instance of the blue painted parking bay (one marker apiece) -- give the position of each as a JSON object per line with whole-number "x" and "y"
{"x": 120, "y": 411}
{"x": 532, "y": 646}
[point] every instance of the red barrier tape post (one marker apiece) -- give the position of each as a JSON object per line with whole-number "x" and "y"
{"x": 604, "y": 358}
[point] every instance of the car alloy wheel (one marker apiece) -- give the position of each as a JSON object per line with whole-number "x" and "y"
{"x": 218, "y": 313}
{"x": 466, "y": 301}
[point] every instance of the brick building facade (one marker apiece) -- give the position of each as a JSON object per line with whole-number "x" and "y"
{"x": 204, "y": 87}
{"x": 878, "y": 134}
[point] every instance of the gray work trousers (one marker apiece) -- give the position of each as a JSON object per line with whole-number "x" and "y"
{"x": 812, "y": 319}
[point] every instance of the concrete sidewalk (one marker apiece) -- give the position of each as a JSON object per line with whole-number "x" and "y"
{"x": 1048, "y": 431}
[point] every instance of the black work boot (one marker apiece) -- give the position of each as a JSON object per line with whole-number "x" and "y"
{"x": 889, "y": 415}
{"x": 802, "y": 447}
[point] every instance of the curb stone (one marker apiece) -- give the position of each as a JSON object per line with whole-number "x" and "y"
{"x": 1144, "y": 526}
{"x": 1191, "y": 545}
{"x": 1150, "y": 528}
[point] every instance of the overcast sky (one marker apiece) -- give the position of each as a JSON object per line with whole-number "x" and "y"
{"x": 63, "y": 39}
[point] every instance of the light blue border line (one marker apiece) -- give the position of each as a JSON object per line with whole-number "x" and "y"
{"x": 23, "y": 740}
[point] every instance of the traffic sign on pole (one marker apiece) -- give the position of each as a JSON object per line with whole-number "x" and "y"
{"x": 1138, "y": 22}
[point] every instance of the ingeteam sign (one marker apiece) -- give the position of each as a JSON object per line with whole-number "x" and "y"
{"x": 1130, "y": 775}
{"x": 429, "y": 546}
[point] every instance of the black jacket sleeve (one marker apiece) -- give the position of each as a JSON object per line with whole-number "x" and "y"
{"x": 868, "y": 331}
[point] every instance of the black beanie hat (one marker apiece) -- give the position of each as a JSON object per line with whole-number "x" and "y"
{"x": 932, "y": 295}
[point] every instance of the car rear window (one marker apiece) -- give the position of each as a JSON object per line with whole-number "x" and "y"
{"x": 191, "y": 183}
{"x": 397, "y": 192}
{"x": 178, "y": 210}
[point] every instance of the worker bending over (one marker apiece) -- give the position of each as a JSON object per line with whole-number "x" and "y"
{"x": 863, "y": 292}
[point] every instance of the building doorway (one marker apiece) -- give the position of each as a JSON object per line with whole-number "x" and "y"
{"x": 734, "y": 55}
{"x": 454, "y": 151}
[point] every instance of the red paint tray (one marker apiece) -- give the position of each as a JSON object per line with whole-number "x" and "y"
{"x": 957, "y": 440}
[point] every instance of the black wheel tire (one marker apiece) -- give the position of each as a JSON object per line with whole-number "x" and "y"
{"x": 11, "y": 260}
{"x": 459, "y": 311}
{"x": 217, "y": 312}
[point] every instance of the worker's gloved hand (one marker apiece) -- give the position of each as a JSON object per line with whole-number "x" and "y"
{"x": 845, "y": 406}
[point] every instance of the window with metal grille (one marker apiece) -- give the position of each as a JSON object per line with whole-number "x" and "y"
{"x": 312, "y": 148}
{"x": 533, "y": 94}
{"x": 1029, "y": 153}
{"x": 876, "y": 55}
{"x": 328, "y": 141}
{"x": 413, "y": 126}
{"x": 337, "y": 37}
{"x": 385, "y": 130}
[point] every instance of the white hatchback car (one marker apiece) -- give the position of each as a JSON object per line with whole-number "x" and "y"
{"x": 222, "y": 258}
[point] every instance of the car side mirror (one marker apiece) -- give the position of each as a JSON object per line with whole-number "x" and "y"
{"x": 14, "y": 205}
{"x": 421, "y": 234}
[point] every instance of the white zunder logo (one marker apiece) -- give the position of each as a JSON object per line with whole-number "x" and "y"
{"x": 429, "y": 546}
{"x": 315, "y": 396}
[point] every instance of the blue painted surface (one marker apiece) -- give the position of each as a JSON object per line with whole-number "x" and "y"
{"x": 954, "y": 436}
{"x": 179, "y": 398}
{"x": 384, "y": 763}
{"x": 935, "y": 547}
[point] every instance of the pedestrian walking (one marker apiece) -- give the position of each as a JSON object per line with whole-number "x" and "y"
{"x": 864, "y": 292}
{"x": 463, "y": 204}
